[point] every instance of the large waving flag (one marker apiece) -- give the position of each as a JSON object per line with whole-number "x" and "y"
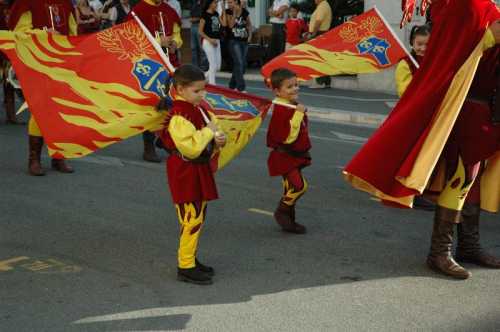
{"x": 366, "y": 44}
{"x": 87, "y": 92}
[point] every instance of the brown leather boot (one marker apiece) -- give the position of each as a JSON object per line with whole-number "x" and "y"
{"x": 35, "y": 150}
{"x": 285, "y": 217}
{"x": 60, "y": 165}
{"x": 9, "y": 99}
{"x": 468, "y": 249}
{"x": 149, "y": 148}
{"x": 440, "y": 258}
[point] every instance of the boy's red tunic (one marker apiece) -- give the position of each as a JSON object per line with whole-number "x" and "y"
{"x": 40, "y": 14}
{"x": 150, "y": 16}
{"x": 189, "y": 181}
{"x": 286, "y": 157}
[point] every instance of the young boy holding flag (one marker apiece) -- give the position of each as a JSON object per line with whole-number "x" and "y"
{"x": 191, "y": 139}
{"x": 288, "y": 137}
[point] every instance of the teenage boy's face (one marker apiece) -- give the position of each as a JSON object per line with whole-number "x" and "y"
{"x": 194, "y": 92}
{"x": 289, "y": 90}
{"x": 420, "y": 45}
{"x": 293, "y": 13}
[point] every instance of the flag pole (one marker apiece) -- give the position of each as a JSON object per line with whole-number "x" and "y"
{"x": 396, "y": 36}
{"x": 155, "y": 44}
{"x": 51, "y": 17}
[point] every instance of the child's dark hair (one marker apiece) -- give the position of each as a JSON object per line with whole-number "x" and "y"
{"x": 183, "y": 76}
{"x": 419, "y": 30}
{"x": 295, "y": 6}
{"x": 187, "y": 74}
{"x": 279, "y": 75}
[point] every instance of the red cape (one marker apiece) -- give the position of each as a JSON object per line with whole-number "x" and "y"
{"x": 40, "y": 13}
{"x": 458, "y": 27}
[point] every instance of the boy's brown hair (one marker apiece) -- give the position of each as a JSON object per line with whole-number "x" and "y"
{"x": 278, "y": 76}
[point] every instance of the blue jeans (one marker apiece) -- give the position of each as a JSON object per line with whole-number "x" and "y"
{"x": 197, "y": 54}
{"x": 239, "y": 51}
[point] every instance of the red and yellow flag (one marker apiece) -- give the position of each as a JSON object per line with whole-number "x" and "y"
{"x": 364, "y": 45}
{"x": 88, "y": 92}
{"x": 238, "y": 115}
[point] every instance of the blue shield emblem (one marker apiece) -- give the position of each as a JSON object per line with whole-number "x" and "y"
{"x": 376, "y": 47}
{"x": 152, "y": 77}
{"x": 217, "y": 101}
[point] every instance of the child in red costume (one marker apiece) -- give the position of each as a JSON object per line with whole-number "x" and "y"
{"x": 190, "y": 141}
{"x": 288, "y": 138}
{"x": 295, "y": 27}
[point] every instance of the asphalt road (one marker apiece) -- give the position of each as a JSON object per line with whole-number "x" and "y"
{"x": 96, "y": 250}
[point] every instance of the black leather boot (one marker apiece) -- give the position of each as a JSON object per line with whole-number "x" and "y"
{"x": 194, "y": 275}
{"x": 205, "y": 268}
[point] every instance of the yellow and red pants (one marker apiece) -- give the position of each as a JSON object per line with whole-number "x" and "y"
{"x": 294, "y": 187}
{"x": 191, "y": 218}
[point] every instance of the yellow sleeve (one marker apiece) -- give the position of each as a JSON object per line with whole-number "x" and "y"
{"x": 25, "y": 22}
{"x": 295, "y": 123}
{"x": 73, "y": 27}
{"x": 189, "y": 141}
{"x": 177, "y": 35}
{"x": 403, "y": 77}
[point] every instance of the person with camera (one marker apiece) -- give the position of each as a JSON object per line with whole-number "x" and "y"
{"x": 240, "y": 34}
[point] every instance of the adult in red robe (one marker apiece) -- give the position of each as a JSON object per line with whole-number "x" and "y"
{"x": 56, "y": 16}
{"x": 440, "y": 137}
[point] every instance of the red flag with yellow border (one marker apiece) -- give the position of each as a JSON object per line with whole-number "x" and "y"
{"x": 366, "y": 44}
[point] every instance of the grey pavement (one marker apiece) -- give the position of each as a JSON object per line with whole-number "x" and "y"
{"x": 96, "y": 250}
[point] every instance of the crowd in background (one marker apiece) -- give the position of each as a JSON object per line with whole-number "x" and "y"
{"x": 222, "y": 31}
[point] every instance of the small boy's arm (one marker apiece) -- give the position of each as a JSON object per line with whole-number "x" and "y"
{"x": 295, "y": 123}
{"x": 189, "y": 141}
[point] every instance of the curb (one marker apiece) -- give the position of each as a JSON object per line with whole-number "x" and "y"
{"x": 346, "y": 117}
{"x": 247, "y": 77}
{"x": 326, "y": 114}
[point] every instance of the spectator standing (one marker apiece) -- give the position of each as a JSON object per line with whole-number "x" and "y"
{"x": 295, "y": 27}
{"x": 210, "y": 30}
{"x": 87, "y": 19}
{"x": 278, "y": 15}
{"x": 119, "y": 12}
{"x": 321, "y": 20}
{"x": 240, "y": 34}
{"x": 197, "y": 54}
